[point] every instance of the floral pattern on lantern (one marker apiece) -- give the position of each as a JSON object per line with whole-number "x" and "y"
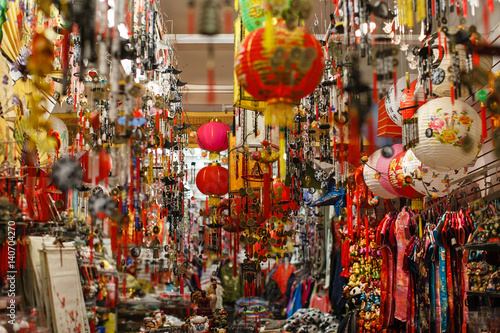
{"x": 213, "y": 180}
{"x": 427, "y": 181}
{"x": 213, "y": 137}
{"x": 279, "y": 67}
{"x": 449, "y": 135}
{"x": 398, "y": 179}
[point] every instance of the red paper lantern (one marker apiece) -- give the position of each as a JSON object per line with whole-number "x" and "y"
{"x": 213, "y": 137}
{"x": 397, "y": 178}
{"x": 279, "y": 67}
{"x": 213, "y": 181}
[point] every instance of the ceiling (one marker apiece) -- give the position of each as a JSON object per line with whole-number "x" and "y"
{"x": 192, "y": 50}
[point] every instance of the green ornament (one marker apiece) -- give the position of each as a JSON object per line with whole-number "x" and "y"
{"x": 482, "y": 95}
{"x": 252, "y": 14}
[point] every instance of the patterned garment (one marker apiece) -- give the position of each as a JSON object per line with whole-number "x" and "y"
{"x": 402, "y": 279}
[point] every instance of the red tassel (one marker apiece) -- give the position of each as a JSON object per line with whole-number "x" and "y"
{"x": 349, "y": 214}
{"x": 317, "y": 112}
{"x": 440, "y": 44}
{"x": 228, "y": 20}
{"x": 464, "y": 8}
{"x": 452, "y": 94}
{"x": 483, "y": 121}
{"x": 190, "y": 20}
{"x": 486, "y": 16}
{"x": 367, "y": 237}
{"x": 375, "y": 89}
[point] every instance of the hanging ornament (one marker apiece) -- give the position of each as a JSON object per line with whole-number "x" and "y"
{"x": 400, "y": 183}
{"x": 387, "y": 154}
{"x": 213, "y": 181}
{"x": 252, "y": 14}
{"x": 462, "y": 63}
{"x": 213, "y": 138}
{"x": 449, "y": 136}
{"x": 393, "y": 99}
{"x": 372, "y": 177}
{"x": 279, "y": 68}
{"x": 209, "y": 22}
{"x": 427, "y": 181}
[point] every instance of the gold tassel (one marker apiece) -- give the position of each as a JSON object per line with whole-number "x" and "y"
{"x": 214, "y": 156}
{"x": 213, "y": 201}
{"x": 417, "y": 204}
{"x": 279, "y": 113}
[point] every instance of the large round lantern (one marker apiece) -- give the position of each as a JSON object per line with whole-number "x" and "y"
{"x": 213, "y": 137}
{"x": 383, "y": 166}
{"x": 428, "y": 181}
{"x": 392, "y": 99}
{"x": 213, "y": 180}
{"x": 399, "y": 181}
{"x": 253, "y": 14}
{"x": 449, "y": 135}
{"x": 373, "y": 176}
{"x": 279, "y": 67}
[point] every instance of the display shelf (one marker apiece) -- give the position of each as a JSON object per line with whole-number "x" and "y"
{"x": 484, "y": 293}
{"x": 490, "y": 246}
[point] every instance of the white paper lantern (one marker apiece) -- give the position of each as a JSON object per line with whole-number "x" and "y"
{"x": 449, "y": 136}
{"x": 444, "y": 88}
{"x": 428, "y": 181}
{"x": 372, "y": 177}
{"x": 392, "y": 101}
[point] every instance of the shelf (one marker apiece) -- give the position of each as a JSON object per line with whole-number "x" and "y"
{"x": 484, "y": 294}
{"x": 491, "y": 246}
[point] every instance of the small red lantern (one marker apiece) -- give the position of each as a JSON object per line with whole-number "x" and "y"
{"x": 213, "y": 137}
{"x": 213, "y": 181}
{"x": 280, "y": 68}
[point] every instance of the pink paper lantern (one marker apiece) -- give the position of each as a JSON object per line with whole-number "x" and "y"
{"x": 213, "y": 136}
{"x": 383, "y": 168}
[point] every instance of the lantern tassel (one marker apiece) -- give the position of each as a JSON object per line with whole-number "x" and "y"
{"x": 214, "y": 156}
{"x": 213, "y": 201}
{"x": 484, "y": 121}
{"x": 417, "y": 204}
{"x": 279, "y": 113}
